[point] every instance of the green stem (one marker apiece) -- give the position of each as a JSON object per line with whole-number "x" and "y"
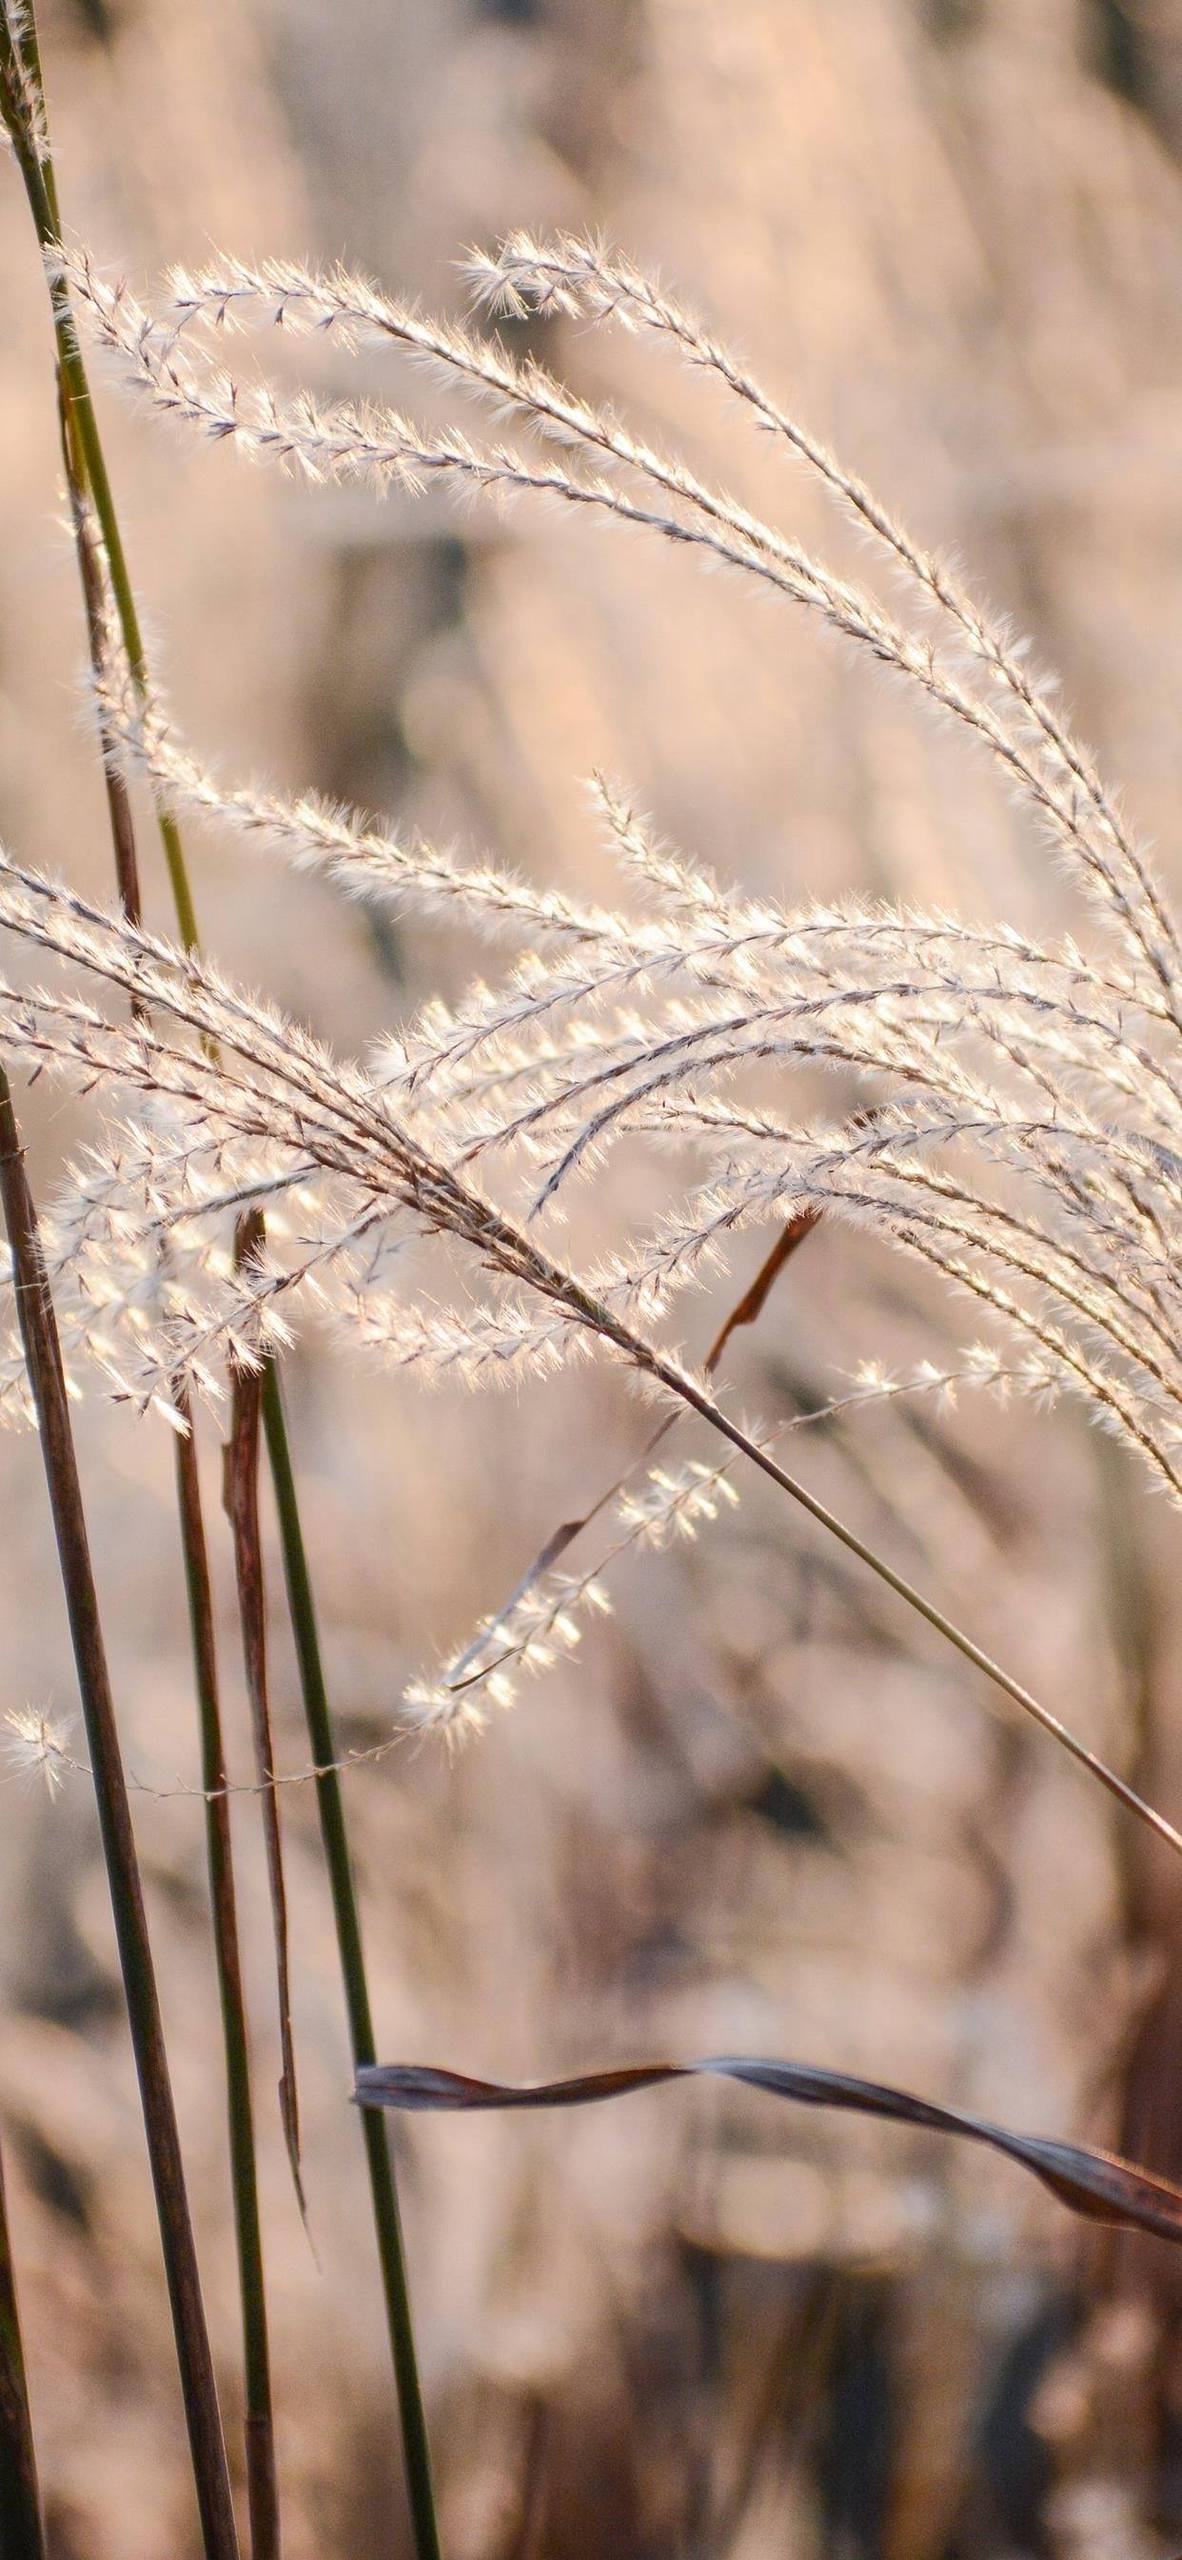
{"x": 47, "y": 1378}
{"x": 330, "y": 1803}
{"x": 21, "y": 2535}
{"x": 41, "y": 189}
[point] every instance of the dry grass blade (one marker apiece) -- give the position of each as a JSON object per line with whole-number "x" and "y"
{"x": 749, "y": 1308}
{"x": 1094, "y": 2183}
{"x": 242, "y": 1510}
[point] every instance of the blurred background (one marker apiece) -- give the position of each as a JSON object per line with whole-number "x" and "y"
{"x": 763, "y": 1812}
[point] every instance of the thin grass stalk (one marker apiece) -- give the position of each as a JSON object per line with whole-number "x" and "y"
{"x": 259, "y": 2427}
{"x": 47, "y": 1379}
{"x": 924, "y": 1608}
{"x": 41, "y": 189}
{"x": 241, "y": 1504}
{"x": 91, "y": 572}
{"x": 22, "y": 2535}
{"x": 79, "y": 414}
{"x": 259, "y": 2430}
{"x": 347, "y": 1919}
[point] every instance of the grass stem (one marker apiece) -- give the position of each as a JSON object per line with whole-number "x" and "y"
{"x": 47, "y": 1379}
{"x": 261, "y": 2483}
{"x": 81, "y": 421}
{"x": 90, "y": 497}
{"x": 41, "y": 189}
{"x": 347, "y": 1918}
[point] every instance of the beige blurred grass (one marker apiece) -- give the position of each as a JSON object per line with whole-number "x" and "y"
{"x": 962, "y": 260}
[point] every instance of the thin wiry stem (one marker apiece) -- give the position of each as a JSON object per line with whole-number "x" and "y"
{"x": 42, "y": 1352}
{"x": 262, "y": 2486}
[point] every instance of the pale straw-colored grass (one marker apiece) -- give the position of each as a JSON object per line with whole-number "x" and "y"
{"x": 1009, "y": 1112}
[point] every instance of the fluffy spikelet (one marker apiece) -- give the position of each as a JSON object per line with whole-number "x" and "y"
{"x": 653, "y": 1506}
{"x": 542, "y": 1618}
{"x": 1006, "y": 1111}
{"x": 607, "y": 468}
{"x": 1083, "y": 1260}
{"x": 35, "y": 1745}
{"x": 22, "y": 107}
{"x": 581, "y": 278}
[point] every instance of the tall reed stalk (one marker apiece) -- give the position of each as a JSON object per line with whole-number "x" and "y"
{"x": 47, "y": 1379}
{"x": 87, "y": 472}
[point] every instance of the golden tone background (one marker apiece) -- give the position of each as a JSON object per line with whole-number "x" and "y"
{"x": 761, "y": 1811}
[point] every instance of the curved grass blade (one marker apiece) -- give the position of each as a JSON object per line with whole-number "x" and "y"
{"x": 1095, "y": 2183}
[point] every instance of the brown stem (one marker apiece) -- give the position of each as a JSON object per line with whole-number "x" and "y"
{"x": 262, "y": 2486}
{"x": 241, "y": 1456}
{"x": 47, "y": 1379}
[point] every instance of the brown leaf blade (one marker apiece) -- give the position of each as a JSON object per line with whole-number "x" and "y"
{"x": 1093, "y": 2183}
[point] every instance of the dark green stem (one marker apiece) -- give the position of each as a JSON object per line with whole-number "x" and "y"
{"x": 21, "y": 2535}
{"x": 47, "y": 1379}
{"x": 330, "y": 1802}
